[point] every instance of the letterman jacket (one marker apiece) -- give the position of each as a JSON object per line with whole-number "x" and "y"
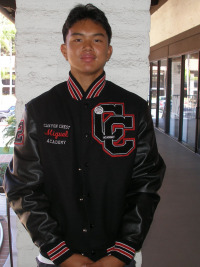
{"x": 85, "y": 171}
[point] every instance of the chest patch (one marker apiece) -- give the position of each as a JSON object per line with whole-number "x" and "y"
{"x": 56, "y": 134}
{"x": 113, "y": 129}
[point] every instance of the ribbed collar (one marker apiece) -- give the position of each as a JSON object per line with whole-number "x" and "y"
{"x": 94, "y": 90}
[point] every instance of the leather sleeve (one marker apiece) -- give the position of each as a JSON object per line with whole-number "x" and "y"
{"x": 141, "y": 198}
{"x": 23, "y": 183}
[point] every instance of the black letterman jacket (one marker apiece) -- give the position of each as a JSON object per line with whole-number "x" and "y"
{"x": 85, "y": 171}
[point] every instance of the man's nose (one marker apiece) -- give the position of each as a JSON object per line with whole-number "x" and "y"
{"x": 87, "y": 45}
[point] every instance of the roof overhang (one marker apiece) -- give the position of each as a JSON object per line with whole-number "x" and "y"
{"x": 8, "y": 8}
{"x": 156, "y": 4}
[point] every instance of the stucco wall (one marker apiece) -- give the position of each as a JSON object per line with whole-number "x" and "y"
{"x": 40, "y": 65}
{"x": 172, "y": 18}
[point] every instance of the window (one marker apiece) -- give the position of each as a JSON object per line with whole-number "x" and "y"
{"x": 154, "y": 90}
{"x": 190, "y": 99}
{"x": 175, "y": 96}
{"x": 162, "y": 94}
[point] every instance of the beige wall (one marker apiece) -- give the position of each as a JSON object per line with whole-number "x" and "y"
{"x": 172, "y": 18}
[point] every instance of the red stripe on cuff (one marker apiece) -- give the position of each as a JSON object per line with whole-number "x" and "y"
{"x": 59, "y": 254}
{"x": 110, "y": 249}
{"x": 56, "y": 248}
{"x": 125, "y": 246}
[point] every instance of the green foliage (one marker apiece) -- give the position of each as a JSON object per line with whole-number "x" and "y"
{"x": 2, "y": 151}
{"x": 3, "y": 167}
{"x": 9, "y": 132}
{"x": 7, "y": 35}
{"x": 5, "y": 74}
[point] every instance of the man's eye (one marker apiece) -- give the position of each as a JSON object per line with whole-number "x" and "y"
{"x": 97, "y": 41}
{"x": 77, "y": 40}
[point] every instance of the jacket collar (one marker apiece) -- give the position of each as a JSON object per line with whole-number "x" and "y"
{"x": 94, "y": 90}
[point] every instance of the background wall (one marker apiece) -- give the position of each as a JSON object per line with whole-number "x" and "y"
{"x": 172, "y": 18}
{"x": 40, "y": 65}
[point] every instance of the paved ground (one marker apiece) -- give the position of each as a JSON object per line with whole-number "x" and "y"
{"x": 4, "y": 251}
{"x": 174, "y": 238}
{"x": 6, "y": 158}
{"x": 14, "y": 232}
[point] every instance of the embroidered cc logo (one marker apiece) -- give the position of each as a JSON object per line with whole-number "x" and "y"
{"x": 113, "y": 129}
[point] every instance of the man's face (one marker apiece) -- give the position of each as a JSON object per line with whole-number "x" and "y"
{"x": 86, "y": 48}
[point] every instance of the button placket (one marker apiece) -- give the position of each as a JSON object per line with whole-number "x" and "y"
{"x": 84, "y": 163}
{"x": 91, "y": 226}
{"x": 86, "y": 105}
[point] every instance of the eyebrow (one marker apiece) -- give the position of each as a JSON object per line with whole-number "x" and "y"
{"x": 81, "y": 34}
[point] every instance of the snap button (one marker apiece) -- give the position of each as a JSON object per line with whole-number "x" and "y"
{"x": 87, "y": 195}
{"x": 79, "y": 169}
{"x": 81, "y": 199}
{"x": 86, "y": 105}
{"x": 84, "y": 230}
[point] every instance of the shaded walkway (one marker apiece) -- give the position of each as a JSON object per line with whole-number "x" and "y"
{"x": 174, "y": 238}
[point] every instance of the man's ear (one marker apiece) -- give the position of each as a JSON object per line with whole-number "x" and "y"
{"x": 109, "y": 53}
{"x": 63, "y": 49}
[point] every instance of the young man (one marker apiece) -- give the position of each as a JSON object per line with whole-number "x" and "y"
{"x": 86, "y": 169}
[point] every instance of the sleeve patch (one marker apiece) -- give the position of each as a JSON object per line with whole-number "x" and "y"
{"x": 19, "y": 139}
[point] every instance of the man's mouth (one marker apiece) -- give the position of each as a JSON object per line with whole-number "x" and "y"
{"x": 88, "y": 57}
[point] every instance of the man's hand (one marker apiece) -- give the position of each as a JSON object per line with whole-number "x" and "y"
{"x": 76, "y": 260}
{"x": 108, "y": 261}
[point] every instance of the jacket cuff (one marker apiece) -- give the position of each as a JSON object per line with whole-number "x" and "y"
{"x": 58, "y": 253}
{"x": 122, "y": 251}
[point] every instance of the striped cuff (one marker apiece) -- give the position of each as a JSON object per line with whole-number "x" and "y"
{"x": 59, "y": 253}
{"x": 122, "y": 251}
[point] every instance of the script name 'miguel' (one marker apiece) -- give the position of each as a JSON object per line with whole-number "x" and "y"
{"x": 55, "y": 134}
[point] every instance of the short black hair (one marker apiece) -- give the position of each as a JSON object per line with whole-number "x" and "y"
{"x": 89, "y": 11}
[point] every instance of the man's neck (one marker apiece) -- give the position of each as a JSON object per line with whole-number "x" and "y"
{"x": 86, "y": 80}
